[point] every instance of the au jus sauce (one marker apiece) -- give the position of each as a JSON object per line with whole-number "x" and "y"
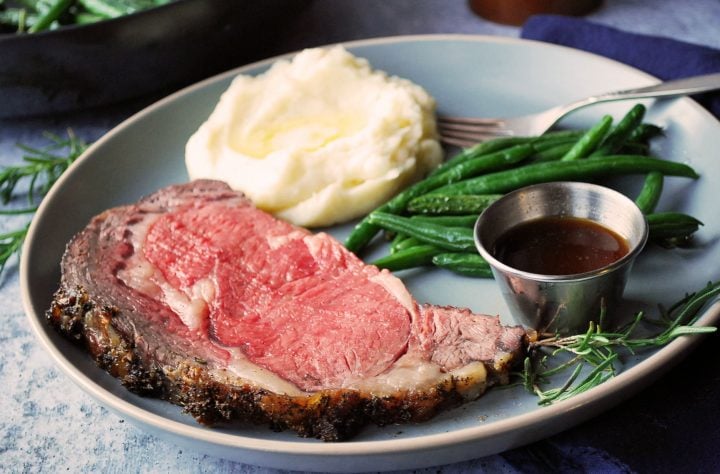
{"x": 560, "y": 246}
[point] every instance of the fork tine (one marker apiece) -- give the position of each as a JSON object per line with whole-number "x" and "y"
{"x": 470, "y": 130}
{"x": 471, "y": 126}
{"x": 474, "y": 133}
{"x": 458, "y": 142}
{"x": 451, "y": 119}
{"x": 470, "y": 120}
{"x": 461, "y": 127}
{"x": 468, "y": 138}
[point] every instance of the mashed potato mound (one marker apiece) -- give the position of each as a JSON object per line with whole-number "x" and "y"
{"x": 318, "y": 140}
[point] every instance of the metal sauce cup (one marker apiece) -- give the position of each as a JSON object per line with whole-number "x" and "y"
{"x": 562, "y": 303}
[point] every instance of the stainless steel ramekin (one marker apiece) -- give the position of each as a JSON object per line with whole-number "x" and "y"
{"x": 562, "y": 303}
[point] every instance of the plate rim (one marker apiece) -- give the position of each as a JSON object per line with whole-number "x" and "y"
{"x": 620, "y": 386}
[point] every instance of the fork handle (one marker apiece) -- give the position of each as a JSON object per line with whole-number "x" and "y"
{"x": 679, "y": 87}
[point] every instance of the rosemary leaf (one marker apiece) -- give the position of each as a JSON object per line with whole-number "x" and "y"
{"x": 41, "y": 168}
{"x": 598, "y": 351}
{"x": 10, "y": 244}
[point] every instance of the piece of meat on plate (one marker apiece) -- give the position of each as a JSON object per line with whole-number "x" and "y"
{"x": 194, "y": 295}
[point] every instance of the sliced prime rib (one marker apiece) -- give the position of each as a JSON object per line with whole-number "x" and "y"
{"x": 194, "y": 295}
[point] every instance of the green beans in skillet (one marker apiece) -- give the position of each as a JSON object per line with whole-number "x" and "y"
{"x": 50, "y": 14}
{"x": 33, "y": 16}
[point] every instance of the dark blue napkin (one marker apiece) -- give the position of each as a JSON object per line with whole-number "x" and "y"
{"x": 662, "y": 57}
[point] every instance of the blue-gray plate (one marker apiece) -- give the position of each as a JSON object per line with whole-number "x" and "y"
{"x": 470, "y": 75}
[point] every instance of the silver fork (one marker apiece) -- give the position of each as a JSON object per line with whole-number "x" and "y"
{"x": 467, "y": 131}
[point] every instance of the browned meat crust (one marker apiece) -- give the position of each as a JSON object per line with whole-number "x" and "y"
{"x": 330, "y": 415}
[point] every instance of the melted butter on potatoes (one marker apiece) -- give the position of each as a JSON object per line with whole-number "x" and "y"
{"x": 318, "y": 140}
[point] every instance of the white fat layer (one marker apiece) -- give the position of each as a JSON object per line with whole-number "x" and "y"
{"x": 193, "y": 308}
{"x": 241, "y": 371}
{"x": 408, "y": 374}
{"x": 395, "y": 287}
{"x": 139, "y": 274}
{"x": 144, "y": 277}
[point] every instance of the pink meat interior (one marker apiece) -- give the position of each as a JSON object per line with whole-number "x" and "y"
{"x": 282, "y": 295}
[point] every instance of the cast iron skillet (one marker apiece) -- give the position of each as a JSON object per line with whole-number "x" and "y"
{"x": 161, "y": 49}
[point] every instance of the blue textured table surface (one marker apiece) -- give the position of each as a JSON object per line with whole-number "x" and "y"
{"x": 47, "y": 424}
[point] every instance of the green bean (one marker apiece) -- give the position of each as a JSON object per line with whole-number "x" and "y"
{"x": 466, "y": 263}
{"x": 644, "y": 132}
{"x": 547, "y": 144}
{"x": 57, "y": 7}
{"x": 116, "y": 8}
{"x": 85, "y": 18}
{"x": 634, "y": 148}
{"x": 397, "y": 240}
{"x": 405, "y": 243}
{"x": 650, "y": 193}
{"x": 410, "y": 257}
{"x": 450, "y": 221}
{"x": 451, "y": 205}
{"x": 456, "y": 239}
{"x": 614, "y": 140}
{"x": 508, "y": 180}
{"x": 19, "y": 18}
{"x": 474, "y": 167}
{"x": 560, "y": 135}
{"x": 671, "y": 226}
{"x": 40, "y": 6}
{"x": 550, "y": 147}
{"x": 553, "y": 153}
{"x": 588, "y": 142}
{"x": 503, "y": 143}
{"x": 364, "y": 231}
{"x": 105, "y": 8}
{"x": 483, "y": 148}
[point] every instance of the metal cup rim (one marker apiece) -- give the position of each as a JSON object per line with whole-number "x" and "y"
{"x": 574, "y": 277}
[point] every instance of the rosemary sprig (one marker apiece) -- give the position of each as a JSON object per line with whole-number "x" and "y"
{"x": 41, "y": 168}
{"x": 10, "y": 243}
{"x": 597, "y": 350}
